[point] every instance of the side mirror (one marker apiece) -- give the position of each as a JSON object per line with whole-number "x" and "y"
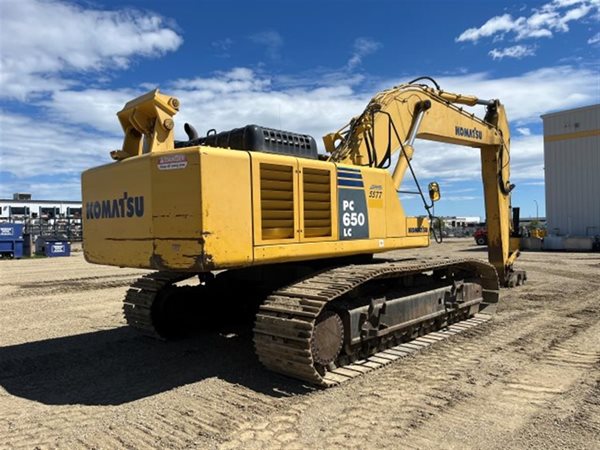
{"x": 434, "y": 191}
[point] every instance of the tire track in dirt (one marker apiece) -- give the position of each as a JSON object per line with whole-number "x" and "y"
{"x": 189, "y": 422}
{"x": 49, "y": 288}
{"x": 107, "y": 378}
{"x": 524, "y": 394}
{"x": 183, "y": 423}
{"x": 409, "y": 394}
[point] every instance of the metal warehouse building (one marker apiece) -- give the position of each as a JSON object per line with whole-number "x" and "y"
{"x": 572, "y": 166}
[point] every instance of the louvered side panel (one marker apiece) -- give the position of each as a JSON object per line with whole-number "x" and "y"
{"x": 277, "y": 201}
{"x": 316, "y": 185}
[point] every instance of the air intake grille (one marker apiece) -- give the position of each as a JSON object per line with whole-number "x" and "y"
{"x": 317, "y": 203}
{"x": 277, "y": 201}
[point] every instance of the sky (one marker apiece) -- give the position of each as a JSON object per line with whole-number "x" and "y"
{"x": 67, "y": 67}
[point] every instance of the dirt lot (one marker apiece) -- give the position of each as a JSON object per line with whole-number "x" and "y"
{"x": 73, "y": 376}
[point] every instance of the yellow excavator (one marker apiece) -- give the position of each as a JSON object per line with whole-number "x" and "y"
{"x": 258, "y": 214}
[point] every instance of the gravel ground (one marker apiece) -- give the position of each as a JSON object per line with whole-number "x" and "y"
{"x": 72, "y": 375}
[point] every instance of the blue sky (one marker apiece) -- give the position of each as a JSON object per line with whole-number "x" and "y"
{"x": 67, "y": 67}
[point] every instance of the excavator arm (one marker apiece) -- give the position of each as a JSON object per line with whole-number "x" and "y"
{"x": 396, "y": 117}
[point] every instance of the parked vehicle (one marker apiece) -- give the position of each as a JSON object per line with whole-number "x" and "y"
{"x": 480, "y": 236}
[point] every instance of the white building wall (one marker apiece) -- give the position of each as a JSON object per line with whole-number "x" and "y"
{"x": 34, "y": 207}
{"x": 572, "y": 171}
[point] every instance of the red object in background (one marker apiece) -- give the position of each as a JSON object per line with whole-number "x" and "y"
{"x": 480, "y": 236}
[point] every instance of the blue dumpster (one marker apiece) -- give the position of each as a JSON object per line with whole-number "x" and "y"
{"x": 52, "y": 246}
{"x": 11, "y": 240}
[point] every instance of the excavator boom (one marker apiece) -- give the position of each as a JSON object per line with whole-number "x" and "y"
{"x": 396, "y": 117}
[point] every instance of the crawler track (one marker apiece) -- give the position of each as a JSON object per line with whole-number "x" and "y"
{"x": 286, "y": 321}
{"x": 140, "y": 300}
{"x": 285, "y": 325}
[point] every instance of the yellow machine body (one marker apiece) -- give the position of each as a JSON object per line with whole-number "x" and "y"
{"x": 204, "y": 208}
{"x": 269, "y": 224}
{"x": 201, "y": 209}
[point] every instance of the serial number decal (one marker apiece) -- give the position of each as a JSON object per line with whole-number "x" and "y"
{"x": 375, "y": 191}
{"x": 418, "y": 230}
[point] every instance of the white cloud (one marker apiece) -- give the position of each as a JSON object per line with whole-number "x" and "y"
{"x": 527, "y": 158}
{"x": 223, "y": 101}
{"x": 363, "y": 46}
{"x": 45, "y": 42}
{"x": 455, "y": 164}
{"x": 95, "y": 108}
{"x": 460, "y": 198}
{"x": 595, "y": 39}
{"x": 68, "y": 188}
{"x": 552, "y": 17}
{"x": 495, "y": 25}
{"x": 61, "y": 146}
{"x": 524, "y": 131}
{"x": 517, "y": 51}
{"x": 241, "y": 96}
{"x": 48, "y": 149}
{"x": 271, "y": 40}
{"x": 307, "y": 110}
{"x": 239, "y": 79}
{"x": 530, "y": 94}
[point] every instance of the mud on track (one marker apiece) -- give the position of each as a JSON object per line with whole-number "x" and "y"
{"x": 73, "y": 376}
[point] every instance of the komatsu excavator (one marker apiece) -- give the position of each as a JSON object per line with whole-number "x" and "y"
{"x": 258, "y": 213}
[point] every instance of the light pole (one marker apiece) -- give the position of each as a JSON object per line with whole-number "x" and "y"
{"x": 537, "y": 216}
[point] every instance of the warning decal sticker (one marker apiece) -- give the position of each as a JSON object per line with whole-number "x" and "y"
{"x": 172, "y": 162}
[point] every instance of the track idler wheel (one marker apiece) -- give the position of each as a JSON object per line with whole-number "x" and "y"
{"x": 327, "y": 338}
